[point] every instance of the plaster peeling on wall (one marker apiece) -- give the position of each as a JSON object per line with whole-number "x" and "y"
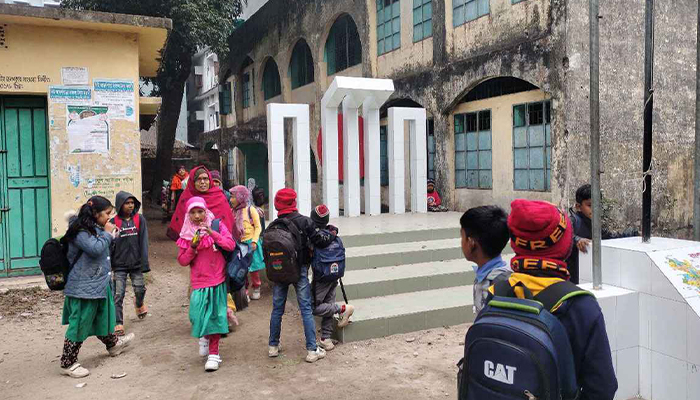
{"x": 74, "y": 175}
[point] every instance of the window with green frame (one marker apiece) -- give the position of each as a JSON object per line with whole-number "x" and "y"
{"x": 246, "y": 90}
{"x": 383, "y": 156}
{"x": 532, "y": 146}
{"x": 388, "y": 25}
{"x": 473, "y": 150}
{"x": 343, "y": 48}
{"x": 301, "y": 67}
{"x": 271, "y": 80}
{"x": 422, "y": 19}
{"x": 464, "y": 11}
{"x": 431, "y": 148}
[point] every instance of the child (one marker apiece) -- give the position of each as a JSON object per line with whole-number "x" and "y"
{"x": 88, "y": 307}
{"x": 247, "y": 230}
{"x": 434, "y": 201}
{"x": 324, "y": 292}
{"x": 217, "y": 182}
{"x": 199, "y": 247}
{"x": 178, "y": 185}
{"x": 129, "y": 257}
{"x": 581, "y": 217}
{"x": 484, "y": 235}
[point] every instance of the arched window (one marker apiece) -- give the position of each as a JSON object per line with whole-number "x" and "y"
{"x": 343, "y": 47}
{"x": 271, "y": 80}
{"x": 314, "y": 168}
{"x": 301, "y": 68}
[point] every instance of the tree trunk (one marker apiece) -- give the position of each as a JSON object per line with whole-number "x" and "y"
{"x": 167, "y": 125}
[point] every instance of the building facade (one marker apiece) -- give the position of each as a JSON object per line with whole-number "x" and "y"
{"x": 505, "y": 85}
{"x": 69, "y": 117}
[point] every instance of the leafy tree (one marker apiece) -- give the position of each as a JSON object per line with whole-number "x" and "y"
{"x": 196, "y": 24}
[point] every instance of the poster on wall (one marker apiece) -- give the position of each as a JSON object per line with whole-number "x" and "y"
{"x": 75, "y": 76}
{"x": 70, "y": 94}
{"x": 118, "y": 95}
{"x": 87, "y": 129}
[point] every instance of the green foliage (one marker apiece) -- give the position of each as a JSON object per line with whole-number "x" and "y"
{"x": 196, "y": 24}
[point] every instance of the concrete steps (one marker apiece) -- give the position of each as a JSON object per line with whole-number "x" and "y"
{"x": 387, "y": 255}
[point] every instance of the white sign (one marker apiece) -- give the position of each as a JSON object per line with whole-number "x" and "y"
{"x": 70, "y": 94}
{"x": 118, "y": 95}
{"x": 88, "y": 129}
{"x": 75, "y": 76}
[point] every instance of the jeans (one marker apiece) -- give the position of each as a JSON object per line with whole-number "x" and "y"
{"x": 279, "y": 299}
{"x": 119, "y": 287}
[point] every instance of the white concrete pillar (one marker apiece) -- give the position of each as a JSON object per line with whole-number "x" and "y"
{"x": 329, "y": 132}
{"x": 373, "y": 200}
{"x": 351, "y": 158}
{"x": 418, "y": 159}
{"x": 276, "y": 114}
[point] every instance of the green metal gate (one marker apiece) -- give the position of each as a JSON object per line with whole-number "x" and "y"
{"x": 25, "y": 217}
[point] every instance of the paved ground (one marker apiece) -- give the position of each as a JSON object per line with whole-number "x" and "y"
{"x": 163, "y": 362}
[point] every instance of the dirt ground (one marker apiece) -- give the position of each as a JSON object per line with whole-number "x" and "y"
{"x": 163, "y": 362}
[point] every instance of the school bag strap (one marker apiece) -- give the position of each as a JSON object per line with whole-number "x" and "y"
{"x": 215, "y": 225}
{"x": 118, "y": 222}
{"x": 551, "y": 297}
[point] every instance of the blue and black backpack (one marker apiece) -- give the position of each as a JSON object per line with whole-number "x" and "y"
{"x": 328, "y": 263}
{"x": 517, "y": 349}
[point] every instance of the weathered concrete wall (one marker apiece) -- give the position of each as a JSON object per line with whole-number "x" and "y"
{"x": 42, "y": 51}
{"x": 622, "y": 102}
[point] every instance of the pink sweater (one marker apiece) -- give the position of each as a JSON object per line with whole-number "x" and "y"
{"x": 208, "y": 267}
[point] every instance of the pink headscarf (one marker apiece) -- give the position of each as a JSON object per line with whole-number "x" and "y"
{"x": 241, "y": 194}
{"x": 189, "y": 228}
{"x": 215, "y": 200}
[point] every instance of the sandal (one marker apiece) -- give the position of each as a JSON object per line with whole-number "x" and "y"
{"x": 119, "y": 330}
{"x": 142, "y": 311}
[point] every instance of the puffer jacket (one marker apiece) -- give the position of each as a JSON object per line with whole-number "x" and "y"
{"x": 91, "y": 273}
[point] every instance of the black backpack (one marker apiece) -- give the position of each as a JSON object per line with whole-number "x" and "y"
{"x": 258, "y": 196}
{"x": 237, "y": 265}
{"x": 281, "y": 249}
{"x": 54, "y": 263}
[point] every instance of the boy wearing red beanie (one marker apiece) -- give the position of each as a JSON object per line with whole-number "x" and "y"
{"x": 286, "y": 206}
{"x": 542, "y": 237}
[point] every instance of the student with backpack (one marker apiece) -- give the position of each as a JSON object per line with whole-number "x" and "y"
{"x": 287, "y": 257}
{"x": 88, "y": 307}
{"x": 129, "y": 257}
{"x": 540, "y": 336}
{"x": 247, "y": 229}
{"x": 200, "y": 248}
{"x": 484, "y": 235}
{"x": 325, "y": 279}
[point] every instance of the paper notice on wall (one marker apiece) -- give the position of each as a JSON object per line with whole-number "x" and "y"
{"x": 87, "y": 129}
{"x": 70, "y": 94}
{"x": 118, "y": 95}
{"x": 75, "y": 76}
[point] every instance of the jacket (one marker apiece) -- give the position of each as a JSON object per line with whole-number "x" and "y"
{"x": 208, "y": 266}
{"x": 91, "y": 272}
{"x": 251, "y": 229}
{"x": 585, "y": 326}
{"x": 310, "y": 236}
{"x": 130, "y": 248}
{"x": 501, "y": 271}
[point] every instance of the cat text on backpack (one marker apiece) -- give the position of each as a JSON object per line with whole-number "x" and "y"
{"x": 499, "y": 372}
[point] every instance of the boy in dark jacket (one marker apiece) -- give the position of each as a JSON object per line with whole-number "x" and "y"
{"x": 324, "y": 292}
{"x": 129, "y": 256}
{"x": 286, "y": 206}
{"x": 581, "y": 216}
{"x": 541, "y": 236}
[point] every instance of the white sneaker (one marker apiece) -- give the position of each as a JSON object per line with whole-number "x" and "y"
{"x": 256, "y": 294}
{"x": 213, "y": 362}
{"x": 327, "y": 344}
{"x": 121, "y": 345}
{"x": 203, "y": 346}
{"x": 273, "y": 351}
{"x": 75, "y": 371}
{"x": 313, "y": 356}
{"x": 345, "y": 317}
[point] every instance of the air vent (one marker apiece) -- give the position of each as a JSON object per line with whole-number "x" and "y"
{"x": 3, "y": 38}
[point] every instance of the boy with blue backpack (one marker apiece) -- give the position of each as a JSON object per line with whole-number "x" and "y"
{"x": 328, "y": 265}
{"x": 539, "y": 336}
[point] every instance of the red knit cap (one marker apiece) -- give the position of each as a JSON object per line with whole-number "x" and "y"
{"x": 538, "y": 228}
{"x": 286, "y": 201}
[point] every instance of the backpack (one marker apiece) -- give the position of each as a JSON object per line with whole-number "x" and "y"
{"x": 517, "y": 349}
{"x": 258, "y": 196}
{"x": 328, "y": 263}
{"x": 54, "y": 263}
{"x": 281, "y": 250}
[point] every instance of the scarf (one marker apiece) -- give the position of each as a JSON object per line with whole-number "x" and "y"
{"x": 241, "y": 194}
{"x": 189, "y": 229}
